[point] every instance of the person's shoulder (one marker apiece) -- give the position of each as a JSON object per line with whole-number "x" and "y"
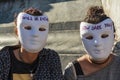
{"x": 116, "y": 57}
{"x": 9, "y": 47}
{"x": 69, "y": 72}
{"x": 5, "y": 50}
{"x": 50, "y": 51}
{"x": 51, "y": 55}
{"x": 69, "y": 66}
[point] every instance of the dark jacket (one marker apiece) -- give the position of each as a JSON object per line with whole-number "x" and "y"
{"x": 49, "y": 67}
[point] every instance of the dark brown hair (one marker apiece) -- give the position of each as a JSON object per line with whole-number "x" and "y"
{"x": 33, "y": 11}
{"x": 95, "y": 15}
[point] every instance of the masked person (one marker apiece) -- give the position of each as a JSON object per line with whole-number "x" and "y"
{"x": 97, "y": 33}
{"x": 30, "y": 60}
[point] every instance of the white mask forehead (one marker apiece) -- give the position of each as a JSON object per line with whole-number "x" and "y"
{"x": 24, "y": 18}
{"x": 106, "y": 25}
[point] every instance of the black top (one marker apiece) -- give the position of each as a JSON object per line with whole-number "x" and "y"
{"x": 21, "y": 67}
{"x": 78, "y": 68}
{"x": 49, "y": 66}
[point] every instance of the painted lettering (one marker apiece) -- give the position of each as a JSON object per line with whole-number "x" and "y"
{"x": 43, "y": 19}
{"x": 108, "y": 25}
{"x": 86, "y": 27}
{"x": 35, "y": 18}
{"x": 97, "y": 27}
{"x": 27, "y": 17}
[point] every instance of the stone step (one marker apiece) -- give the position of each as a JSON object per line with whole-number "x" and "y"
{"x": 7, "y": 39}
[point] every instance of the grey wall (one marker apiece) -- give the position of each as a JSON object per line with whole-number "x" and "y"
{"x": 63, "y": 14}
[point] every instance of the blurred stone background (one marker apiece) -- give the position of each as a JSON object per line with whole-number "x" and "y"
{"x": 64, "y": 16}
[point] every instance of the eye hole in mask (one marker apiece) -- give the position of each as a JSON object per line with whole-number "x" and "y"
{"x": 42, "y": 28}
{"x": 89, "y": 37}
{"x": 104, "y": 35}
{"x": 27, "y": 27}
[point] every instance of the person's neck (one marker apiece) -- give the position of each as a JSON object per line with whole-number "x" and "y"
{"x": 26, "y": 57}
{"x": 99, "y": 62}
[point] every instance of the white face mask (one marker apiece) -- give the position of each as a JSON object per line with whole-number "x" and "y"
{"x": 98, "y": 39}
{"x": 32, "y": 31}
